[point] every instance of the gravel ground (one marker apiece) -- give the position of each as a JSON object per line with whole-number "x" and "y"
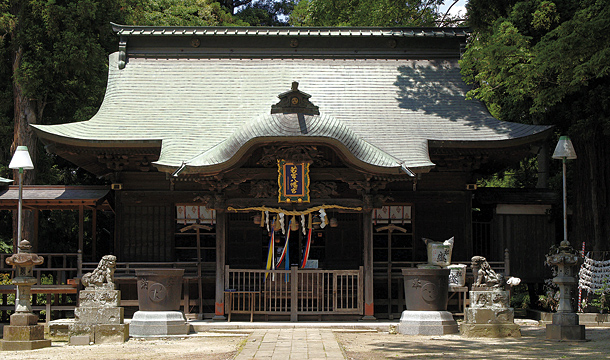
{"x": 212, "y": 346}
{"x": 357, "y": 345}
{"x": 532, "y": 345}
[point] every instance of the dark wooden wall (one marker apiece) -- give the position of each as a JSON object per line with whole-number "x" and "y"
{"x": 145, "y": 231}
{"x": 527, "y": 238}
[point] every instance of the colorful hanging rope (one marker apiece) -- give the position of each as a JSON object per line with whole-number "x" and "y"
{"x": 307, "y": 247}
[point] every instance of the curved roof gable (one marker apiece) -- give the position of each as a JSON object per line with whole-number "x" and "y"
{"x": 295, "y": 128}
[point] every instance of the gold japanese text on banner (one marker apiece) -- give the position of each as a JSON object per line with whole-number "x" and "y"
{"x": 293, "y": 179}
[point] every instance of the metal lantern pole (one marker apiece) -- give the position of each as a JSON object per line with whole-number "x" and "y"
{"x": 21, "y": 161}
{"x": 564, "y": 151}
{"x": 20, "y": 206}
{"x": 565, "y": 203}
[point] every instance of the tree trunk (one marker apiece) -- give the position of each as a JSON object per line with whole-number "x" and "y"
{"x": 26, "y": 112}
{"x": 590, "y": 175}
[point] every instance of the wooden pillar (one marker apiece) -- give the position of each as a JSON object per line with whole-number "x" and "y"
{"x": 93, "y": 234}
{"x": 81, "y": 225}
{"x": 34, "y": 241}
{"x": 367, "y": 229}
{"x": 294, "y": 303}
{"x": 221, "y": 236}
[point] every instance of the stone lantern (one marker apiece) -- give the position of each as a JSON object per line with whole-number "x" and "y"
{"x": 565, "y": 325}
{"x": 24, "y": 333}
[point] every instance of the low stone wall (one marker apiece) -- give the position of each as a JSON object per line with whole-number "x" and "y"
{"x": 588, "y": 319}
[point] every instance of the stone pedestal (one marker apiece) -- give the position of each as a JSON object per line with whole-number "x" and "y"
{"x": 489, "y": 315}
{"x": 565, "y": 327}
{"x": 23, "y": 333}
{"x": 427, "y": 323}
{"x": 158, "y": 323}
{"x": 99, "y": 319}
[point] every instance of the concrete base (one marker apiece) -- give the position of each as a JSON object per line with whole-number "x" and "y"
{"x": 427, "y": 323}
{"x": 82, "y": 334}
{"x": 490, "y": 330}
{"x": 565, "y": 332}
{"x": 7, "y": 345}
{"x": 565, "y": 327}
{"x": 158, "y": 323}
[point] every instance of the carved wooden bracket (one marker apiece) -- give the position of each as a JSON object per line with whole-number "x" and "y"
{"x": 366, "y": 186}
{"x": 114, "y": 162}
{"x": 323, "y": 189}
{"x": 264, "y": 189}
{"x": 300, "y": 153}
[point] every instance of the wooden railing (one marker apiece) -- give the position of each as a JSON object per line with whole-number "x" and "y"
{"x": 294, "y": 292}
{"x": 60, "y": 288}
{"x": 60, "y": 267}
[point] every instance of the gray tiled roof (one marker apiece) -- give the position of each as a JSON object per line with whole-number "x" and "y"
{"x": 289, "y": 31}
{"x": 197, "y": 107}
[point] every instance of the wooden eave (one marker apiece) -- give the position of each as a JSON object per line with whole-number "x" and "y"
{"x": 57, "y": 197}
{"x": 105, "y": 159}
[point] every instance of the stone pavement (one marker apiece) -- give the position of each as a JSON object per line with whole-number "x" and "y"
{"x": 291, "y": 343}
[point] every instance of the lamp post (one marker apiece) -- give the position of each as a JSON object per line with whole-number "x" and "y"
{"x": 564, "y": 151}
{"x": 21, "y": 161}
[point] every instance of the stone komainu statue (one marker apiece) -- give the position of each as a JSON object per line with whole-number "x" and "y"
{"x": 484, "y": 275}
{"x": 103, "y": 275}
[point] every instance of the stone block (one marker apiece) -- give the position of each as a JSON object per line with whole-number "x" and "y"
{"x": 100, "y": 298}
{"x": 565, "y": 319}
{"x": 489, "y": 298}
{"x": 78, "y": 340}
{"x": 79, "y": 330}
{"x": 99, "y": 315}
{"x": 427, "y": 323}
{"x": 24, "y": 319}
{"x": 24, "y": 345}
{"x": 490, "y": 315}
{"x": 490, "y": 330}
{"x": 565, "y": 332}
{"x": 59, "y": 330}
{"x": 23, "y": 333}
{"x": 111, "y": 334}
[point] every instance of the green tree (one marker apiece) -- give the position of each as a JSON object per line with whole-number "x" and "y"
{"x": 266, "y": 12}
{"x": 53, "y": 69}
{"x": 366, "y": 13}
{"x": 182, "y": 13}
{"x": 546, "y": 62}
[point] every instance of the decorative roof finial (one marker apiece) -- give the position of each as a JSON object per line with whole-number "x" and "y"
{"x": 295, "y": 102}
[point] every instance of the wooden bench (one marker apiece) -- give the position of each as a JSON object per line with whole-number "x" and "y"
{"x": 48, "y": 290}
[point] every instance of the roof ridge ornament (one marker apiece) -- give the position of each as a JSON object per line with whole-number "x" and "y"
{"x": 294, "y": 102}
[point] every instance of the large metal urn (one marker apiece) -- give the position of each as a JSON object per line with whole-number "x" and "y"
{"x": 426, "y": 289}
{"x": 159, "y": 289}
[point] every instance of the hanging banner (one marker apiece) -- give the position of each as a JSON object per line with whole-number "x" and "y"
{"x": 293, "y": 180}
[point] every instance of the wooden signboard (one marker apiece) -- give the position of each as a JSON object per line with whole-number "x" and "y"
{"x": 293, "y": 180}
